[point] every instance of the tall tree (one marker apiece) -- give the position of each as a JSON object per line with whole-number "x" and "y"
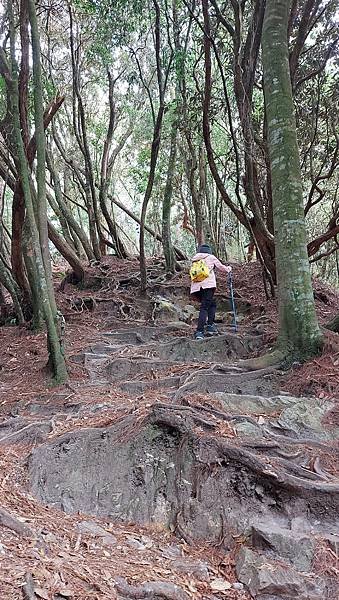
{"x": 157, "y": 121}
{"x": 167, "y": 200}
{"x": 36, "y": 218}
{"x": 299, "y": 333}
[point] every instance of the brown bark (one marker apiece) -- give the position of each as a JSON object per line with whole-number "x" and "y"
{"x": 18, "y": 205}
{"x": 206, "y": 123}
{"x": 315, "y": 244}
{"x": 310, "y": 8}
{"x": 107, "y": 164}
{"x": 66, "y": 251}
{"x": 155, "y": 145}
{"x": 80, "y": 131}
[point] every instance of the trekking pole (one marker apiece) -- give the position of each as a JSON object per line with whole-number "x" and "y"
{"x": 230, "y": 283}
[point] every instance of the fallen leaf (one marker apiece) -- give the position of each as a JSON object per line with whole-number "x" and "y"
{"x": 41, "y": 593}
{"x": 106, "y": 574}
{"x": 66, "y": 593}
{"x": 220, "y": 585}
{"x": 191, "y": 587}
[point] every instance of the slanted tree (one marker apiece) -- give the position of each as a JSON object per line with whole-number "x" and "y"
{"x": 299, "y": 333}
{"x": 36, "y": 212}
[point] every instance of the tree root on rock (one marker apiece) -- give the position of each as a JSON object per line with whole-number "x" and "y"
{"x": 276, "y": 470}
{"x": 276, "y": 358}
{"x": 30, "y": 431}
{"x": 28, "y": 588}
{"x": 173, "y": 463}
{"x": 152, "y": 589}
{"x": 7, "y": 520}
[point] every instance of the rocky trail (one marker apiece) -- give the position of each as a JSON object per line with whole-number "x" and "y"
{"x": 189, "y": 476}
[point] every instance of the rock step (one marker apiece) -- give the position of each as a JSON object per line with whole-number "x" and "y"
{"x": 140, "y": 386}
{"x": 230, "y": 379}
{"x": 217, "y": 348}
{"x": 141, "y": 334}
{"x": 127, "y": 368}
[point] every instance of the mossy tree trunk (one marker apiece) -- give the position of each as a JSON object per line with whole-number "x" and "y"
{"x": 38, "y": 226}
{"x": 35, "y": 219}
{"x": 299, "y": 333}
{"x": 41, "y": 204}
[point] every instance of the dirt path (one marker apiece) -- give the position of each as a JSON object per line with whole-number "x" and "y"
{"x": 190, "y": 478}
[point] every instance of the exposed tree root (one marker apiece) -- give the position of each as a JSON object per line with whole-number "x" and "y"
{"x": 279, "y": 471}
{"x": 36, "y": 429}
{"x": 174, "y": 466}
{"x": 7, "y": 520}
{"x": 276, "y": 358}
{"x": 28, "y": 588}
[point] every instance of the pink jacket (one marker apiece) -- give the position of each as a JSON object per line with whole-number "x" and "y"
{"x": 212, "y": 263}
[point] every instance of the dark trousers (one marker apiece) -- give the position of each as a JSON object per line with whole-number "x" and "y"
{"x": 208, "y": 307}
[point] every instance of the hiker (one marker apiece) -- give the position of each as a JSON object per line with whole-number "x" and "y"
{"x": 203, "y": 287}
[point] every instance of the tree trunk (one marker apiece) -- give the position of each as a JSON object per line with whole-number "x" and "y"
{"x": 65, "y": 230}
{"x": 180, "y": 255}
{"x": 67, "y": 213}
{"x": 192, "y": 173}
{"x": 167, "y": 201}
{"x": 147, "y": 196}
{"x": 80, "y": 131}
{"x": 299, "y": 333}
{"x": 18, "y": 204}
{"x": 106, "y": 174}
{"x": 206, "y": 119}
{"x": 41, "y": 209}
{"x": 154, "y": 149}
{"x": 58, "y": 361}
{"x": 66, "y": 251}
{"x": 9, "y": 283}
{"x": 34, "y": 312}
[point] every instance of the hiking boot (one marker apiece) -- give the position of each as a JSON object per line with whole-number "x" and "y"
{"x": 212, "y": 330}
{"x": 199, "y": 335}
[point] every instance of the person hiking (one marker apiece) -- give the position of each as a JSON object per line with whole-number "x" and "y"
{"x": 204, "y": 289}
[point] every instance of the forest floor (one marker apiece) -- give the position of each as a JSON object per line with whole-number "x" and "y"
{"x": 148, "y": 373}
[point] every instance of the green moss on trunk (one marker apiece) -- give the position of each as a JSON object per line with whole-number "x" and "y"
{"x": 299, "y": 332}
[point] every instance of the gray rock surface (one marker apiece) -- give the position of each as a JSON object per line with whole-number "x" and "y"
{"x": 297, "y": 549}
{"x": 218, "y": 348}
{"x": 333, "y": 542}
{"x": 198, "y": 568}
{"x": 235, "y": 463}
{"x": 91, "y": 528}
{"x": 268, "y": 579}
{"x": 305, "y": 416}
{"x": 149, "y": 473}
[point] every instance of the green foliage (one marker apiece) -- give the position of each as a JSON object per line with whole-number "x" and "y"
{"x": 114, "y": 24}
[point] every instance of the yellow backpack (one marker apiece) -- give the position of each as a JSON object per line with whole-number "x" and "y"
{"x": 199, "y": 271}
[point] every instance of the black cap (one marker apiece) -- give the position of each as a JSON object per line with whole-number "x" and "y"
{"x": 205, "y": 249}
